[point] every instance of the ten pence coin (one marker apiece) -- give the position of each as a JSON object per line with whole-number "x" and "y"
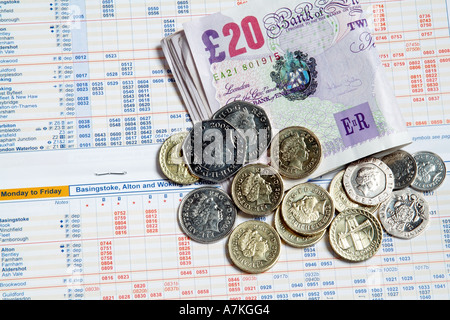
{"x": 206, "y": 214}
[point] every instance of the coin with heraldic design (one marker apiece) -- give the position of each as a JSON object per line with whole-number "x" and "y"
{"x": 341, "y": 199}
{"x": 295, "y": 152}
{"x": 252, "y": 121}
{"x": 214, "y": 150}
{"x": 257, "y": 189}
{"x": 355, "y": 235}
{"x": 171, "y": 160}
{"x": 254, "y": 246}
{"x": 403, "y": 167}
{"x": 207, "y": 214}
{"x": 307, "y": 208}
{"x": 431, "y": 171}
{"x": 368, "y": 181}
{"x": 292, "y": 238}
{"x": 405, "y": 214}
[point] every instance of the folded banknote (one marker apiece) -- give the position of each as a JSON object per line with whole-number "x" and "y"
{"x": 307, "y": 63}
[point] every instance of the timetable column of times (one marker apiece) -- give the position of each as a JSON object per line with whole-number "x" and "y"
{"x": 415, "y": 51}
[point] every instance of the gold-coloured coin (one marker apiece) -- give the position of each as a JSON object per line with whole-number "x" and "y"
{"x": 355, "y": 235}
{"x": 307, "y": 208}
{"x": 295, "y": 152}
{"x": 341, "y": 199}
{"x": 254, "y": 246}
{"x": 292, "y": 238}
{"x": 171, "y": 160}
{"x": 257, "y": 189}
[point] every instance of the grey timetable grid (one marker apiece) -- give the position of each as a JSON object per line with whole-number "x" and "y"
{"x": 91, "y": 75}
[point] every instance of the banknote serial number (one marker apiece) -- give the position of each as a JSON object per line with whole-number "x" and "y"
{"x": 249, "y": 27}
{"x": 251, "y": 65}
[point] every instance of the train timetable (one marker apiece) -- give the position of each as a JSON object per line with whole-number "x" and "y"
{"x": 85, "y": 84}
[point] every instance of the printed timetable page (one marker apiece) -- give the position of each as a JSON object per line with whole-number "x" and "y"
{"x": 86, "y": 100}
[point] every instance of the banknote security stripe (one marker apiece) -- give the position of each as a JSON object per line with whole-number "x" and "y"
{"x": 34, "y": 193}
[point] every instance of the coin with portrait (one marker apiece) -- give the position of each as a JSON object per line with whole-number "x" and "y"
{"x": 295, "y": 152}
{"x": 293, "y": 238}
{"x": 431, "y": 171}
{"x": 171, "y": 160}
{"x": 368, "y": 181}
{"x": 257, "y": 189}
{"x": 214, "y": 150}
{"x": 341, "y": 199}
{"x": 307, "y": 208}
{"x": 254, "y": 246}
{"x": 207, "y": 214}
{"x": 252, "y": 121}
{"x": 403, "y": 167}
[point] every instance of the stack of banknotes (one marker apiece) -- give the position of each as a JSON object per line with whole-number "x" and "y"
{"x": 308, "y": 63}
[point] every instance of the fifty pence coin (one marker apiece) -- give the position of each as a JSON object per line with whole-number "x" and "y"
{"x": 171, "y": 160}
{"x": 253, "y": 123}
{"x": 405, "y": 214}
{"x": 214, "y": 150}
{"x": 341, "y": 199}
{"x": 295, "y": 152}
{"x": 431, "y": 171}
{"x": 307, "y": 208}
{"x": 368, "y": 181}
{"x": 254, "y": 246}
{"x": 355, "y": 235}
{"x": 292, "y": 238}
{"x": 403, "y": 167}
{"x": 206, "y": 214}
{"x": 257, "y": 189}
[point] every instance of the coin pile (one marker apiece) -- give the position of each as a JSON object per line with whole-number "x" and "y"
{"x": 223, "y": 148}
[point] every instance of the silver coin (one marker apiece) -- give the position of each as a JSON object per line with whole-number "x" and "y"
{"x": 403, "y": 167}
{"x": 355, "y": 235}
{"x": 368, "y": 181}
{"x": 431, "y": 171}
{"x": 341, "y": 199}
{"x": 307, "y": 208}
{"x": 405, "y": 214}
{"x": 214, "y": 150}
{"x": 252, "y": 121}
{"x": 257, "y": 189}
{"x": 206, "y": 214}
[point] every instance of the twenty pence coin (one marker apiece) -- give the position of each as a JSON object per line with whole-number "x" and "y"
{"x": 307, "y": 208}
{"x": 171, "y": 160}
{"x": 207, "y": 214}
{"x": 341, "y": 199}
{"x": 257, "y": 189}
{"x": 368, "y": 181}
{"x": 355, "y": 235}
{"x": 292, "y": 238}
{"x": 295, "y": 152}
{"x": 254, "y": 246}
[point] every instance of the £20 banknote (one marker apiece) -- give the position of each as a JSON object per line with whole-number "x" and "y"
{"x": 307, "y": 63}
